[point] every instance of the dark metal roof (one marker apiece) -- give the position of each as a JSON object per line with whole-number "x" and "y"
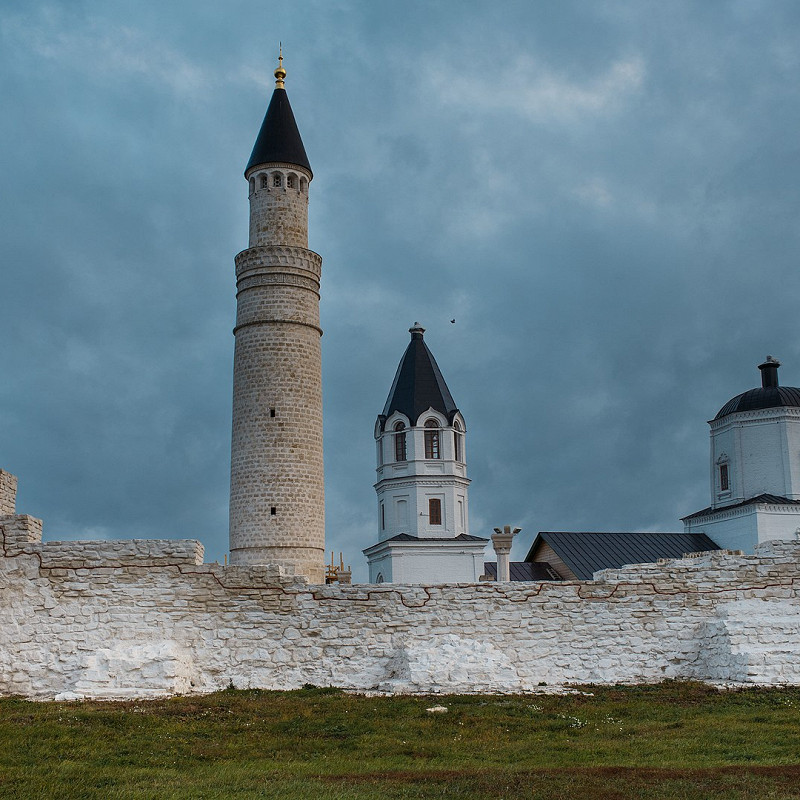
{"x": 763, "y": 397}
{"x": 524, "y": 571}
{"x": 418, "y": 384}
{"x": 761, "y": 499}
{"x": 279, "y": 139}
{"x": 407, "y": 537}
{"x": 768, "y": 395}
{"x": 586, "y": 553}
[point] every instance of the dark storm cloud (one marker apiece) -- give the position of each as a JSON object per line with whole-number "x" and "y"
{"x": 604, "y": 196}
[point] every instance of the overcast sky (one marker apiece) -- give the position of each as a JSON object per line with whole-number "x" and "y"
{"x": 604, "y": 195}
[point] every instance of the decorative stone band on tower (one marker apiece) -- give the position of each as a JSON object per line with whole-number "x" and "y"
{"x": 277, "y": 493}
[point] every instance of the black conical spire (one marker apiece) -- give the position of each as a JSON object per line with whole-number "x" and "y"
{"x": 279, "y": 139}
{"x": 418, "y": 384}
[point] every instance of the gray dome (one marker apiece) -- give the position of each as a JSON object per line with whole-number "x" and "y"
{"x": 768, "y": 395}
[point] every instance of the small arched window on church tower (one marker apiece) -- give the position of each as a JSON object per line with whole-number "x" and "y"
{"x": 723, "y": 476}
{"x": 399, "y": 442}
{"x": 458, "y": 442}
{"x": 277, "y": 179}
{"x": 432, "y": 439}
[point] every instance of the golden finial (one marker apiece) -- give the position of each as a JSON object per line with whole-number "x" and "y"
{"x": 280, "y": 73}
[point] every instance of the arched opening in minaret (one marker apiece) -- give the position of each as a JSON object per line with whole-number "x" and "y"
{"x": 432, "y": 439}
{"x": 400, "y": 442}
{"x": 264, "y": 181}
{"x": 458, "y": 443}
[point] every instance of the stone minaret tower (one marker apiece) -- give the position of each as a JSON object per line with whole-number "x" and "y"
{"x": 277, "y": 495}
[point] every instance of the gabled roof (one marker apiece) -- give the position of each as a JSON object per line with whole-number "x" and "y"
{"x": 418, "y": 384}
{"x": 279, "y": 139}
{"x": 586, "y": 553}
{"x": 761, "y": 499}
{"x": 524, "y": 571}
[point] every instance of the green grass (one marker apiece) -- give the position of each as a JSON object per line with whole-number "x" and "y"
{"x": 674, "y": 740}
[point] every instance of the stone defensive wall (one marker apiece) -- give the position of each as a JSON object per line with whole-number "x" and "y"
{"x": 146, "y": 618}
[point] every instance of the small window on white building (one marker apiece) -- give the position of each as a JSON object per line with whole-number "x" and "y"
{"x": 399, "y": 441}
{"x": 383, "y": 517}
{"x": 458, "y": 444}
{"x": 724, "y": 483}
{"x": 432, "y": 439}
{"x": 434, "y": 511}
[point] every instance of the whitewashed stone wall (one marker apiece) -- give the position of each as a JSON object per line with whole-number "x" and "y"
{"x": 147, "y": 618}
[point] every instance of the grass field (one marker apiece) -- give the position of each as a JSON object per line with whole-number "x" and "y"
{"x": 675, "y": 740}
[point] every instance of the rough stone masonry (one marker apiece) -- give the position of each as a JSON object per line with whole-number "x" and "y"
{"x": 146, "y": 618}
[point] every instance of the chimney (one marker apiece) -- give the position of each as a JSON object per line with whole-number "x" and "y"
{"x": 769, "y": 372}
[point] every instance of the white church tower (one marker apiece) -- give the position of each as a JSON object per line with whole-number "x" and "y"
{"x": 754, "y": 467}
{"x": 422, "y": 488}
{"x": 277, "y": 495}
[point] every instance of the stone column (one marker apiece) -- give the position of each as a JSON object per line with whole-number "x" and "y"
{"x": 501, "y": 541}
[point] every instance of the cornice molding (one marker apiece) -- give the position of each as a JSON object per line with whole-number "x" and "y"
{"x": 409, "y": 481}
{"x": 265, "y": 258}
{"x": 743, "y": 511}
{"x": 776, "y": 412}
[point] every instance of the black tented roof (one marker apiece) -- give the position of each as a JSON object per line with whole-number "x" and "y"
{"x": 418, "y": 384}
{"x": 279, "y": 139}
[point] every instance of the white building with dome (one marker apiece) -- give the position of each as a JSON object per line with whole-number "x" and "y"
{"x": 754, "y": 466}
{"x": 422, "y": 486}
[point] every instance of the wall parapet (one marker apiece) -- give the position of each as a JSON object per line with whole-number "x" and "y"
{"x": 8, "y": 493}
{"x": 146, "y": 618}
{"x": 88, "y": 554}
